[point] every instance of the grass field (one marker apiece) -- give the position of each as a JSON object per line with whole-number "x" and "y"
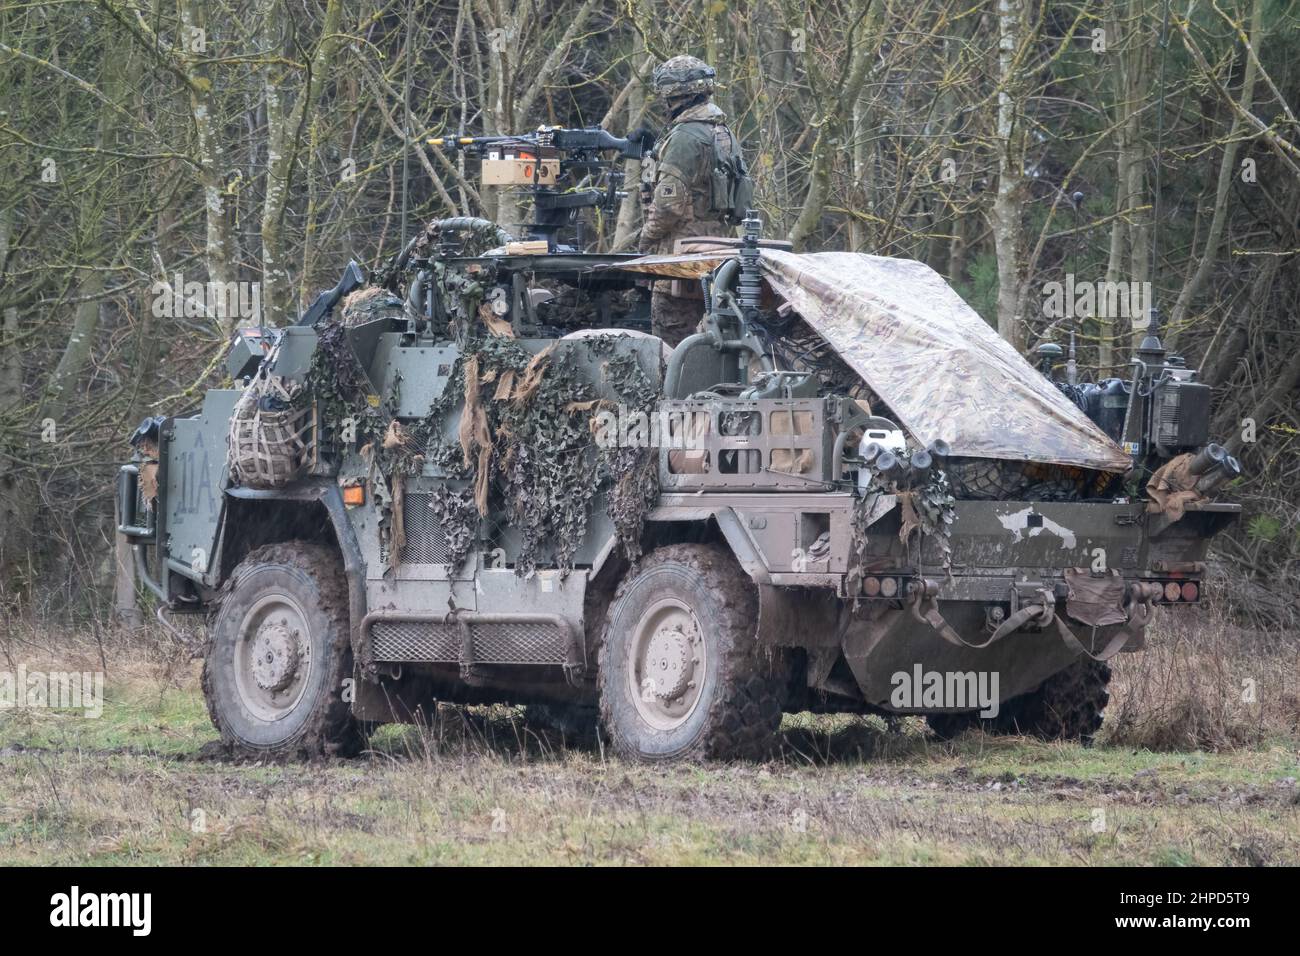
{"x": 141, "y": 784}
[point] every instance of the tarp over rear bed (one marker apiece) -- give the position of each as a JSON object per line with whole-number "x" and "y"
{"x": 917, "y": 344}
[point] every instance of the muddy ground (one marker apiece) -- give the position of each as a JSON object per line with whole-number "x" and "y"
{"x": 1185, "y": 772}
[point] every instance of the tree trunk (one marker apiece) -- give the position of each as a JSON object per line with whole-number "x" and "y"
{"x": 222, "y": 246}
{"x": 1007, "y": 226}
{"x": 1227, "y": 171}
{"x": 17, "y": 503}
{"x": 629, "y": 209}
{"x": 831, "y": 123}
{"x": 76, "y": 353}
{"x": 289, "y": 102}
{"x": 1136, "y": 63}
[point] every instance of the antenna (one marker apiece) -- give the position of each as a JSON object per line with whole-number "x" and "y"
{"x": 1151, "y": 344}
{"x": 1072, "y": 366}
{"x": 406, "y": 116}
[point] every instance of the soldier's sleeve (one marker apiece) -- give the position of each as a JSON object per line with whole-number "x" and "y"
{"x": 672, "y": 203}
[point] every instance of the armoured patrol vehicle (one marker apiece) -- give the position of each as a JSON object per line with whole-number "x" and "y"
{"x": 473, "y": 477}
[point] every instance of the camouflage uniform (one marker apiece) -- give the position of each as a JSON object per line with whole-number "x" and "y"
{"x": 677, "y": 186}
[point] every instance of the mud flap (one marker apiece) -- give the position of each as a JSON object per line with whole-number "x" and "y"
{"x": 790, "y": 618}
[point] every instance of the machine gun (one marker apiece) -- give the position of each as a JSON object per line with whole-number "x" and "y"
{"x": 353, "y": 278}
{"x": 541, "y": 161}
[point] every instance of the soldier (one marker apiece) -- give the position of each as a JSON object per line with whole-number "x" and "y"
{"x": 689, "y": 185}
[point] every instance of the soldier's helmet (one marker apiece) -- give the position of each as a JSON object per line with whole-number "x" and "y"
{"x": 683, "y": 76}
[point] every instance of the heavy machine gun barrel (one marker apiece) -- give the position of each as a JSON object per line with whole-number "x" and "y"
{"x": 592, "y": 139}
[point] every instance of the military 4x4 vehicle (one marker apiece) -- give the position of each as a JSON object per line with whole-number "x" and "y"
{"x": 474, "y": 478}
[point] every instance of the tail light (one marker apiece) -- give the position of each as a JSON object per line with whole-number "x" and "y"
{"x": 882, "y": 586}
{"x": 1177, "y": 590}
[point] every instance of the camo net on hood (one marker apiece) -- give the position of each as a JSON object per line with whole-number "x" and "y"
{"x": 928, "y": 510}
{"x": 633, "y": 471}
{"x": 523, "y": 452}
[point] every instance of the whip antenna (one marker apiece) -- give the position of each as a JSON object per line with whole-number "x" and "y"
{"x": 1151, "y": 343}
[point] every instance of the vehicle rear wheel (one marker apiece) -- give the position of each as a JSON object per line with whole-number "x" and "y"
{"x": 278, "y": 655}
{"x": 681, "y": 673}
{"x": 1068, "y": 706}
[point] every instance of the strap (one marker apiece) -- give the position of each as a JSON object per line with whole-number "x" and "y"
{"x": 1073, "y": 643}
{"x": 1046, "y": 614}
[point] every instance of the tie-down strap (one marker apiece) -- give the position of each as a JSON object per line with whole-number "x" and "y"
{"x": 925, "y": 608}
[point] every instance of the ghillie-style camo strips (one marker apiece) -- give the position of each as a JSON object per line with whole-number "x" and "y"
{"x": 523, "y": 447}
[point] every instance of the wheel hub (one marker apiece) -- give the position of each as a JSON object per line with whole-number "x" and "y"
{"x": 275, "y": 657}
{"x": 669, "y": 661}
{"x": 668, "y": 665}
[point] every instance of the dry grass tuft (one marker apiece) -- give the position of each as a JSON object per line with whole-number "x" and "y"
{"x": 1204, "y": 684}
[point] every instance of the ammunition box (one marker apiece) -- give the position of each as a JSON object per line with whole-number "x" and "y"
{"x": 520, "y": 172}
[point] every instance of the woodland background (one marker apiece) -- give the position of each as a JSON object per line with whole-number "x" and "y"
{"x": 269, "y": 141}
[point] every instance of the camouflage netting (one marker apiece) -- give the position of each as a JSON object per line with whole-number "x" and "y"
{"x": 523, "y": 448}
{"x": 990, "y": 479}
{"x": 457, "y": 513}
{"x": 367, "y": 304}
{"x": 461, "y": 294}
{"x": 928, "y": 510}
{"x": 341, "y": 386}
{"x": 634, "y": 472}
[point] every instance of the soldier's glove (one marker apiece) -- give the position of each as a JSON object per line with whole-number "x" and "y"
{"x": 645, "y": 136}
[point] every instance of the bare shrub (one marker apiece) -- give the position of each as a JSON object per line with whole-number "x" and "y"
{"x": 1204, "y": 683}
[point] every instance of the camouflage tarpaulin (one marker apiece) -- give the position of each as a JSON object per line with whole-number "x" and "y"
{"x": 939, "y": 366}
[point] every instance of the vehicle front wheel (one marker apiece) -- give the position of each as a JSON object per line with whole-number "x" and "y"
{"x": 681, "y": 673}
{"x": 279, "y": 653}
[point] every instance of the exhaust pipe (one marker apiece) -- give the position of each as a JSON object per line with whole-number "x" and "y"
{"x": 1209, "y": 457}
{"x": 1227, "y": 469}
{"x": 920, "y": 465}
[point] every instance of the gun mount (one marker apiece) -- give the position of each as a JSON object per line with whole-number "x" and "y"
{"x": 542, "y": 162}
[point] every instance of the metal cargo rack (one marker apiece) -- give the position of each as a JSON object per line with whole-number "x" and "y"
{"x": 754, "y": 444}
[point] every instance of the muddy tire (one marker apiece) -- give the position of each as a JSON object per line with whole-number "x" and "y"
{"x": 681, "y": 674}
{"x": 1068, "y": 706}
{"x": 278, "y": 654}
